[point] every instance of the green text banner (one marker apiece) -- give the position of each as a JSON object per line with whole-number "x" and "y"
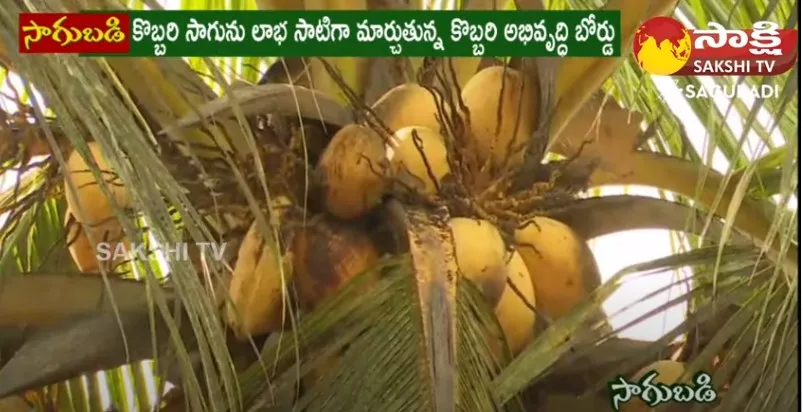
{"x": 375, "y": 33}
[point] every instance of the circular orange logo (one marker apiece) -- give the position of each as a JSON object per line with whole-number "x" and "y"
{"x": 662, "y": 46}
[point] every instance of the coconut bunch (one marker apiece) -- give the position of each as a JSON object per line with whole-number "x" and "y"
{"x": 94, "y": 235}
{"x": 421, "y": 145}
{"x": 428, "y": 147}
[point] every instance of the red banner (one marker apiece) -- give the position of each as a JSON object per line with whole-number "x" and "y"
{"x": 84, "y": 33}
{"x": 737, "y": 53}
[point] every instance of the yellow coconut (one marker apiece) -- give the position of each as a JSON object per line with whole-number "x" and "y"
{"x": 418, "y": 159}
{"x": 480, "y": 254}
{"x": 515, "y": 308}
{"x": 408, "y": 104}
{"x": 353, "y": 172}
{"x": 561, "y": 265}
{"x": 95, "y": 217}
{"x": 503, "y": 110}
{"x": 326, "y": 255}
{"x": 258, "y": 286}
{"x": 669, "y": 372}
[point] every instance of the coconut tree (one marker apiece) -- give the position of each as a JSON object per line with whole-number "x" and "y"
{"x": 395, "y": 239}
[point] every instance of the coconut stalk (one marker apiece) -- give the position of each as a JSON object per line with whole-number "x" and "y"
{"x": 715, "y": 193}
{"x": 600, "y": 216}
{"x": 88, "y": 344}
{"x": 608, "y": 135}
{"x": 42, "y": 299}
{"x": 281, "y": 99}
{"x": 435, "y": 268}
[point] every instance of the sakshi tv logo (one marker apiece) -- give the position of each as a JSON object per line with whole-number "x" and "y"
{"x": 663, "y": 46}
